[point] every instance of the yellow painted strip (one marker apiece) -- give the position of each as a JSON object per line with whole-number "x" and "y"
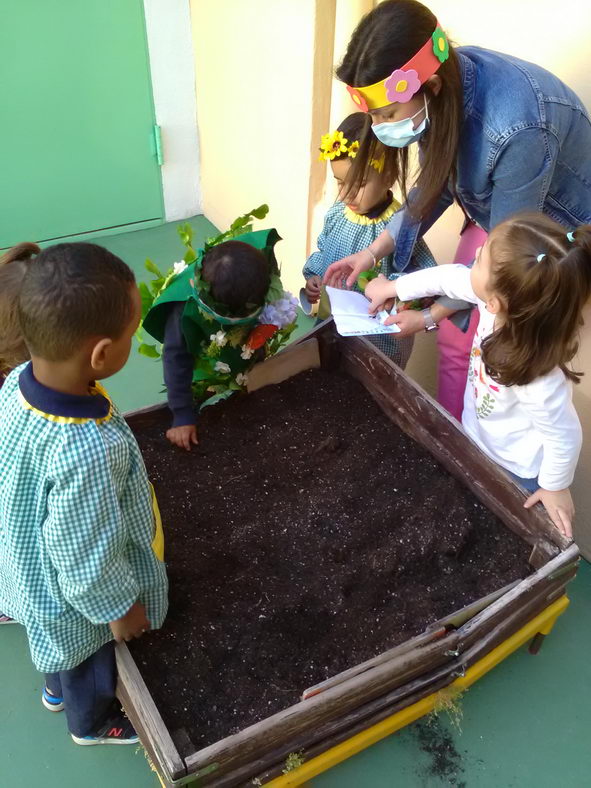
{"x": 326, "y": 760}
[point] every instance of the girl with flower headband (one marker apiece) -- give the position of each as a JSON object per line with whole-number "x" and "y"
{"x": 530, "y": 283}
{"x": 356, "y": 222}
{"x": 496, "y": 134}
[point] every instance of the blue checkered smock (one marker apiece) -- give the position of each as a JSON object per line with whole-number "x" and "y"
{"x": 345, "y": 233}
{"x": 76, "y": 521}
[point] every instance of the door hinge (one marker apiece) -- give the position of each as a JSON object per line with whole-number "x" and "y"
{"x": 158, "y": 145}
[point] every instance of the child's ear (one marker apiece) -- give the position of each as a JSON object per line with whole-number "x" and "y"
{"x": 98, "y": 356}
{"x": 494, "y": 305}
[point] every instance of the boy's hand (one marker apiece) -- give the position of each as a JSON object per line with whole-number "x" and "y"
{"x": 183, "y": 436}
{"x": 559, "y": 505}
{"x": 379, "y": 291}
{"x": 132, "y": 625}
{"x": 313, "y": 287}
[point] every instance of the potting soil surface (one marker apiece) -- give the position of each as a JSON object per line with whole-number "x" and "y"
{"x": 304, "y": 534}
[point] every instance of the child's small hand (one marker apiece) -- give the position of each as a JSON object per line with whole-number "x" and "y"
{"x": 379, "y": 291}
{"x": 183, "y": 436}
{"x": 313, "y": 287}
{"x": 559, "y": 505}
{"x": 132, "y": 625}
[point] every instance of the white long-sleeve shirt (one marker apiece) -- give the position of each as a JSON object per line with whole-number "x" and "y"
{"x": 532, "y": 430}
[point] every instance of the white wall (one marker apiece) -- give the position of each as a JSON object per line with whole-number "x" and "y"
{"x": 170, "y": 46}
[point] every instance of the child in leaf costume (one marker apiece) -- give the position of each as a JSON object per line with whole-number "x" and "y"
{"x": 216, "y": 318}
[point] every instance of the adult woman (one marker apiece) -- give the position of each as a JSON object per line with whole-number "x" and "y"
{"x": 496, "y": 134}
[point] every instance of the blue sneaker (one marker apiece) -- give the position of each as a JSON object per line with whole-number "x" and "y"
{"x": 51, "y": 702}
{"x": 117, "y": 729}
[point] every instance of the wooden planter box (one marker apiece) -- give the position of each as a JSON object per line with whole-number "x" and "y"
{"x": 359, "y": 697}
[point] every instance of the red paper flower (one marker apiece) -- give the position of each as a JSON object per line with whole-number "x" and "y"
{"x": 358, "y": 99}
{"x": 260, "y": 335}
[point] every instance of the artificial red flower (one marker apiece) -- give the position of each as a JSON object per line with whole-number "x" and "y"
{"x": 260, "y": 334}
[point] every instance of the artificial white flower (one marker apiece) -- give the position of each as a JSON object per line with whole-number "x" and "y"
{"x": 280, "y": 313}
{"x": 221, "y": 366}
{"x": 246, "y": 352}
{"x": 241, "y": 379}
{"x": 220, "y": 338}
{"x": 178, "y": 268}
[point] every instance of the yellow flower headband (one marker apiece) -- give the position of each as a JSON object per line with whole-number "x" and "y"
{"x": 335, "y": 144}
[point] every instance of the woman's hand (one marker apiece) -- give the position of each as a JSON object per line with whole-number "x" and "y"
{"x": 183, "y": 436}
{"x": 349, "y": 267}
{"x": 559, "y": 505}
{"x": 313, "y": 287}
{"x": 409, "y": 322}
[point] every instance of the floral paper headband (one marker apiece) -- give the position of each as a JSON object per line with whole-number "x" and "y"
{"x": 403, "y": 83}
{"x": 335, "y": 144}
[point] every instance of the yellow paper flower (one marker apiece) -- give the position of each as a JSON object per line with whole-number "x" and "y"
{"x": 332, "y": 145}
{"x": 378, "y": 164}
{"x": 353, "y": 149}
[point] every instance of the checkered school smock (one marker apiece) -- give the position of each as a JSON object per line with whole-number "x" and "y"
{"x": 345, "y": 233}
{"x": 76, "y": 521}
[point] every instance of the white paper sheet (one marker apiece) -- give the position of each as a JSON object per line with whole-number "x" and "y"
{"x": 351, "y": 317}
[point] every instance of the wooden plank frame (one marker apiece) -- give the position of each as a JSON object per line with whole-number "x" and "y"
{"x": 364, "y": 694}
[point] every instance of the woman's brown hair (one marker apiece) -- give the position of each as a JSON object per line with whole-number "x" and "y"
{"x": 13, "y": 266}
{"x": 385, "y": 40}
{"x": 543, "y": 280}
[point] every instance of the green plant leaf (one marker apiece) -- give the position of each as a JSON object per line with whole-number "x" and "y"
{"x": 190, "y": 255}
{"x": 216, "y": 398}
{"x": 185, "y": 232}
{"x": 147, "y": 298}
{"x": 153, "y": 268}
{"x": 275, "y": 291}
{"x": 150, "y": 351}
{"x": 260, "y": 212}
{"x": 156, "y": 285}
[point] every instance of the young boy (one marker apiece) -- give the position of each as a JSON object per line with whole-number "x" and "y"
{"x": 77, "y": 568}
{"x": 221, "y": 293}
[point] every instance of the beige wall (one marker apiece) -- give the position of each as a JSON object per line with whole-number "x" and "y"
{"x": 256, "y": 66}
{"x": 265, "y": 93}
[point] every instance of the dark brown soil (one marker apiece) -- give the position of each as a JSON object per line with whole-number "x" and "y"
{"x": 305, "y": 534}
{"x": 446, "y": 762}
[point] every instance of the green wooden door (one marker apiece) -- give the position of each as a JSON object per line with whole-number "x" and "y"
{"x": 77, "y": 149}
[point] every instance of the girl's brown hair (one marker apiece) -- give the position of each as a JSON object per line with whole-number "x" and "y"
{"x": 543, "y": 280}
{"x": 13, "y": 266}
{"x": 385, "y": 40}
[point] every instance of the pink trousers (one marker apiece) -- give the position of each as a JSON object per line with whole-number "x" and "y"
{"x": 454, "y": 345}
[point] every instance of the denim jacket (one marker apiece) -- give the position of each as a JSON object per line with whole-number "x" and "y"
{"x": 525, "y": 144}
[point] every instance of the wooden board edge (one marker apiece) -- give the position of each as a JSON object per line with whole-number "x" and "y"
{"x": 295, "y": 358}
{"x": 142, "y": 711}
{"x": 237, "y": 749}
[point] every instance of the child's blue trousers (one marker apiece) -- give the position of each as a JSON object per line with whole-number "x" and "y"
{"x": 88, "y": 690}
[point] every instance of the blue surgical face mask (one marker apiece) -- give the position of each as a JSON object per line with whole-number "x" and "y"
{"x": 400, "y": 133}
